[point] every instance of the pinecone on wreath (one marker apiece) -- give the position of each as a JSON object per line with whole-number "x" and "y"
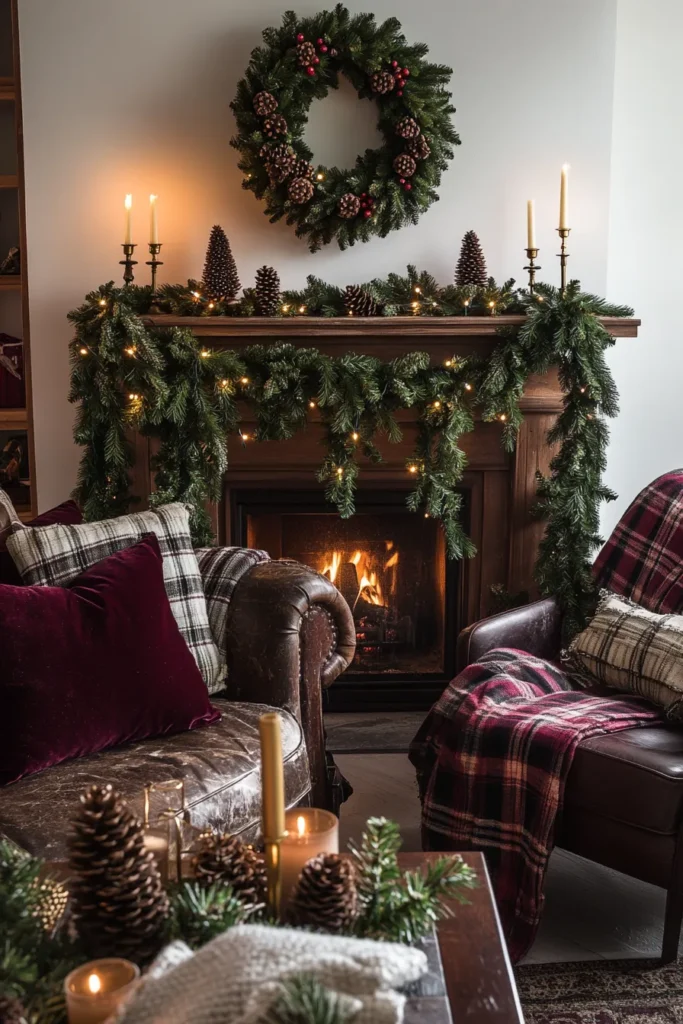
{"x": 220, "y": 278}
{"x": 119, "y": 904}
{"x": 359, "y": 302}
{"x": 407, "y": 128}
{"x": 349, "y": 206}
{"x": 267, "y": 291}
{"x": 304, "y": 170}
{"x": 305, "y": 53}
{"x": 325, "y": 897}
{"x": 382, "y": 82}
{"x": 280, "y": 161}
{"x": 264, "y": 103}
{"x": 224, "y": 858}
{"x": 404, "y": 165}
{"x": 12, "y": 1011}
{"x": 300, "y": 190}
{"x": 418, "y": 147}
{"x": 471, "y": 268}
{"x": 274, "y": 124}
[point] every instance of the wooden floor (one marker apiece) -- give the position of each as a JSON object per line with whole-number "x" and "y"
{"x": 591, "y": 912}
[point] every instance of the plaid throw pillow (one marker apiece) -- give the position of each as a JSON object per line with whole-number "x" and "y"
{"x": 222, "y": 569}
{"x": 54, "y": 555}
{"x": 633, "y": 650}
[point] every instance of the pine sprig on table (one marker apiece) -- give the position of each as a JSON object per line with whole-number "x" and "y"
{"x": 201, "y": 912}
{"x": 305, "y": 1000}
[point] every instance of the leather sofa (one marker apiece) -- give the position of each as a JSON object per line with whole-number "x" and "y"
{"x": 289, "y": 635}
{"x": 623, "y": 804}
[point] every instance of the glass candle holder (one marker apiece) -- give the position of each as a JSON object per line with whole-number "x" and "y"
{"x": 95, "y": 990}
{"x": 310, "y": 831}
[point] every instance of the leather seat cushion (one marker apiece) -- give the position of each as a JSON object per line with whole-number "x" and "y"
{"x": 635, "y": 777}
{"x": 219, "y": 763}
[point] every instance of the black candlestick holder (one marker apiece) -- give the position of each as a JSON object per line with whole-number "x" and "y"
{"x": 564, "y": 256}
{"x": 154, "y": 250}
{"x": 532, "y": 267}
{"x": 129, "y": 262}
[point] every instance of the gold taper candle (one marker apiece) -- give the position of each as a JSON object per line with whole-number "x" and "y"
{"x": 272, "y": 777}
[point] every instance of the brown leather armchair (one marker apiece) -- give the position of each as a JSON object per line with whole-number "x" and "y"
{"x": 623, "y": 804}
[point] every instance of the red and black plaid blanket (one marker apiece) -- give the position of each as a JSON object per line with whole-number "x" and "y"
{"x": 492, "y": 759}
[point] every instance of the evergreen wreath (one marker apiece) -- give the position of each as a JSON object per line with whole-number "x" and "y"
{"x": 388, "y": 187}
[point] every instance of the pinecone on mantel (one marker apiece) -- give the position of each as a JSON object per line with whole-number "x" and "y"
{"x": 267, "y": 291}
{"x": 359, "y": 302}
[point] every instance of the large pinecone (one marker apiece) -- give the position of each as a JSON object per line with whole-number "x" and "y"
{"x": 382, "y": 82}
{"x": 119, "y": 904}
{"x": 267, "y": 291}
{"x": 405, "y": 165}
{"x": 305, "y": 53}
{"x": 12, "y": 1011}
{"x": 225, "y": 858}
{"x": 418, "y": 147}
{"x": 349, "y": 206}
{"x": 303, "y": 169}
{"x": 359, "y": 302}
{"x": 407, "y": 128}
{"x": 264, "y": 103}
{"x": 220, "y": 278}
{"x": 325, "y": 897}
{"x": 280, "y": 161}
{"x": 300, "y": 190}
{"x": 471, "y": 268}
{"x": 274, "y": 125}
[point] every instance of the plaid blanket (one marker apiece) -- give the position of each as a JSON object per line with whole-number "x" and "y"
{"x": 492, "y": 760}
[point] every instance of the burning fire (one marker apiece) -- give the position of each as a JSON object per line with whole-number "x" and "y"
{"x": 367, "y": 574}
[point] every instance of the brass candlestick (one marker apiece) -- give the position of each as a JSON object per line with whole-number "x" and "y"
{"x": 272, "y": 856}
{"x": 154, "y": 250}
{"x": 129, "y": 262}
{"x": 564, "y": 256}
{"x": 532, "y": 267}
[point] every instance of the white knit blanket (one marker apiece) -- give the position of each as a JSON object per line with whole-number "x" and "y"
{"x": 236, "y": 978}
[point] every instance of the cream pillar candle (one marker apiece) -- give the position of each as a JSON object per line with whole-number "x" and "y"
{"x": 97, "y": 989}
{"x": 272, "y": 777}
{"x": 564, "y": 196}
{"x": 310, "y": 831}
{"x": 530, "y": 225}
{"x": 128, "y": 233}
{"x": 153, "y": 225}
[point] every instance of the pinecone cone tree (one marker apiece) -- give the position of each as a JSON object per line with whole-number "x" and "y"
{"x": 119, "y": 904}
{"x": 300, "y": 190}
{"x": 349, "y": 206}
{"x": 267, "y": 291}
{"x": 418, "y": 147}
{"x": 223, "y": 858}
{"x": 305, "y": 53}
{"x": 325, "y": 897}
{"x": 471, "y": 268}
{"x": 12, "y": 1010}
{"x": 359, "y": 302}
{"x": 407, "y": 128}
{"x": 220, "y": 279}
{"x": 382, "y": 82}
{"x": 404, "y": 165}
{"x": 264, "y": 103}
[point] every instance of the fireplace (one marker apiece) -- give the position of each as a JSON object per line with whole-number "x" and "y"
{"x": 391, "y": 568}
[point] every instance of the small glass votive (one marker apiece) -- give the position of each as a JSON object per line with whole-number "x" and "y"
{"x": 310, "y": 831}
{"x": 156, "y": 841}
{"x": 95, "y": 990}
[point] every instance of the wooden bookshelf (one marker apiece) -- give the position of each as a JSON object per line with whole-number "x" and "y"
{"x": 14, "y": 287}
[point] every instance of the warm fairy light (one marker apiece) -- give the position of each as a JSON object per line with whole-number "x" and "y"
{"x": 466, "y": 303}
{"x": 355, "y": 435}
{"x": 583, "y": 391}
{"x": 302, "y": 309}
{"x": 418, "y": 290}
{"x": 244, "y": 380}
{"x": 350, "y": 312}
{"x": 540, "y": 298}
{"x": 415, "y": 305}
{"x": 134, "y": 397}
{"x": 320, "y": 176}
{"x": 449, "y": 363}
{"x": 244, "y": 436}
{"x": 301, "y": 826}
{"x": 412, "y": 469}
{"x": 211, "y": 305}
{"x": 224, "y": 383}
{"x": 131, "y": 350}
{"x": 434, "y": 303}
{"x": 285, "y": 309}
{"x": 103, "y": 302}
{"x": 205, "y": 353}
{"x": 468, "y": 387}
{"x": 83, "y": 351}
{"x": 340, "y": 471}
{"x": 426, "y": 515}
{"x": 94, "y": 980}
{"x": 437, "y": 405}
{"x": 491, "y": 305}
{"x": 196, "y": 295}
{"x": 502, "y": 417}
{"x": 311, "y": 404}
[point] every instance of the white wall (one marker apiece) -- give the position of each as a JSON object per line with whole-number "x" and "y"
{"x": 132, "y": 95}
{"x": 645, "y": 259}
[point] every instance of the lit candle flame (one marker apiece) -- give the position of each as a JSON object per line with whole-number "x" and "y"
{"x": 94, "y": 983}
{"x": 127, "y": 202}
{"x": 301, "y": 826}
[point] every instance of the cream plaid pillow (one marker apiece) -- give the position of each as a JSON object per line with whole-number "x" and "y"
{"x": 54, "y": 555}
{"x": 630, "y": 649}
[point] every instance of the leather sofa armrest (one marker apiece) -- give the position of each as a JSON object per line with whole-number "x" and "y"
{"x": 290, "y": 633}
{"x": 535, "y": 628}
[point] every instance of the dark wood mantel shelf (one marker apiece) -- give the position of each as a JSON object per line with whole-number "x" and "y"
{"x": 350, "y": 326}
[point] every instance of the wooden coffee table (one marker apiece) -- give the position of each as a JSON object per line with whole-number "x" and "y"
{"x": 478, "y": 973}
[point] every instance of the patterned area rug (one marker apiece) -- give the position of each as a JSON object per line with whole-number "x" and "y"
{"x": 602, "y": 992}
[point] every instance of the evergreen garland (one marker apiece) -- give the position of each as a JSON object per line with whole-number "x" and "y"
{"x": 166, "y": 384}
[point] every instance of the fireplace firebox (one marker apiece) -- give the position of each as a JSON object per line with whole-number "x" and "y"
{"x": 391, "y": 568}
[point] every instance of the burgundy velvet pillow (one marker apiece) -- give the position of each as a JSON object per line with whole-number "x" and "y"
{"x": 68, "y": 514}
{"x": 93, "y": 664}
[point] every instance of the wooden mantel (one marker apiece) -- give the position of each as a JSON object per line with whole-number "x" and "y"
{"x": 502, "y": 487}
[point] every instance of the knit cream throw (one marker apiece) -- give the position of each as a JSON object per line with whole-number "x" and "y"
{"x": 236, "y": 978}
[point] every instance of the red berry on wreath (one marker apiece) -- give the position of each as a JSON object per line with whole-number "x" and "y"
{"x": 407, "y": 186}
{"x": 400, "y": 92}
{"x": 316, "y": 60}
{"x": 363, "y": 195}
{"x": 367, "y": 213}
{"x": 394, "y": 63}
{"x": 323, "y": 49}
{"x": 310, "y": 71}
{"x": 319, "y": 42}
{"x": 406, "y": 72}
{"x": 402, "y": 181}
{"x": 300, "y": 37}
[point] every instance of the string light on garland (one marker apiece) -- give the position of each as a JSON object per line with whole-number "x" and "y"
{"x": 130, "y": 350}
{"x": 103, "y": 302}
{"x": 205, "y": 353}
{"x": 83, "y": 351}
{"x": 311, "y": 404}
